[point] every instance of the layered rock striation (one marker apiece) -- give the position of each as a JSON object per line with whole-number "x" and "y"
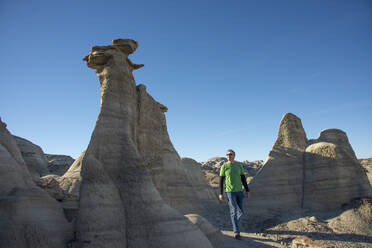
{"x": 170, "y": 175}
{"x": 119, "y": 203}
{"x": 333, "y": 175}
{"x": 320, "y": 174}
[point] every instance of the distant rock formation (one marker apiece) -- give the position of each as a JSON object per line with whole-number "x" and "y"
{"x": 319, "y": 174}
{"x": 119, "y": 204}
{"x": 29, "y": 217}
{"x": 214, "y": 164}
{"x": 58, "y": 164}
{"x": 65, "y": 188}
{"x": 211, "y": 170}
{"x": 33, "y": 155}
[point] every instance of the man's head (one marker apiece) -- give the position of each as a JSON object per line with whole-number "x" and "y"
{"x": 230, "y": 154}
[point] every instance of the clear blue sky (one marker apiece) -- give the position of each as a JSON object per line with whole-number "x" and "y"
{"x": 227, "y": 70}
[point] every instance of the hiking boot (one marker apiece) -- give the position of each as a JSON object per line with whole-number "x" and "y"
{"x": 238, "y": 237}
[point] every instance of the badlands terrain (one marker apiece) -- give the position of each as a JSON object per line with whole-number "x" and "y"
{"x": 130, "y": 187}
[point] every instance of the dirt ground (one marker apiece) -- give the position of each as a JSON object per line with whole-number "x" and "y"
{"x": 350, "y": 226}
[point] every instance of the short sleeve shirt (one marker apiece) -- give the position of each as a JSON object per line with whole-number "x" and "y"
{"x": 232, "y": 173}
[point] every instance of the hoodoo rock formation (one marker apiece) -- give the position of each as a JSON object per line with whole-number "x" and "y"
{"x": 119, "y": 203}
{"x": 319, "y": 174}
{"x": 29, "y": 217}
{"x": 333, "y": 175}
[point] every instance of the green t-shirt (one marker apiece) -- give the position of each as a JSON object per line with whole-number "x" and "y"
{"x": 232, "y": 173}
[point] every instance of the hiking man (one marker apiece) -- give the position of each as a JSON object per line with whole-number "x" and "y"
{"x": 232, "y": 173}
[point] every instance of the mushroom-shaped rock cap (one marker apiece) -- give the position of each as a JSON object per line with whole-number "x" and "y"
{"x": 126, "y": 45}
{"x": 99, "y": 56}
{"x": 333, "y": 135}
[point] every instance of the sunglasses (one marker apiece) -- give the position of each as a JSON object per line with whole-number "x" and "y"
{"x": 229, "y": 154}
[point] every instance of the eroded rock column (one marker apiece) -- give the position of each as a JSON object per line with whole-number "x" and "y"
{"x": 119, "y": 204}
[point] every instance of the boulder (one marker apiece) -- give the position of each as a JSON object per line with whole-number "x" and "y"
{"x": 33, "y": 156}
{"x": 303, "y": 241}
{"x": 119, "y": 203}
{"x": 29, "y": 217}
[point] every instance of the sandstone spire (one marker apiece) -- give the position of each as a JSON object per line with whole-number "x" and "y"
{"x": 119, "y": 204}
{"x": 278, "y": 185}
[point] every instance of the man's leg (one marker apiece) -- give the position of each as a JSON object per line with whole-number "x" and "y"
{"x": 239, "y": 202}
{"x": 231, "y": 196}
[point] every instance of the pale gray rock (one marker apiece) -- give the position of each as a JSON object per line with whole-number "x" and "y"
{"x": 119, "y": 203}
{"x": 29, "y": 217}
{"x": 33, "y": 155}
{"x": 278, "y": 186}
{"x": 197, "y": 179}
{"x": 317, "y": 175}
{"x": 58, "y": 164}
{"x": 65, "y": 188}
{"x": 161, "y": 159}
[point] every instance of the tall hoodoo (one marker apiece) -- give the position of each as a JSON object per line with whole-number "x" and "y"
{"x": 119, "y": 204}
{"x": 278, "y": 185}
{"x": 320, "y": 174}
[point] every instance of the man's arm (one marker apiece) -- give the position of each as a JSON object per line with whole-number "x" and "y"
{"x": 222, "y": 179}
{"x": 245, "y": 185}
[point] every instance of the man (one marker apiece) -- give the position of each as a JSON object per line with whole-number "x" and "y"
{"x": 232, "y": 173}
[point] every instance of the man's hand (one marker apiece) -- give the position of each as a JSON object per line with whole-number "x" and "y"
{"x": 220, "y": 197}
{"x": 247, "y": 194}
